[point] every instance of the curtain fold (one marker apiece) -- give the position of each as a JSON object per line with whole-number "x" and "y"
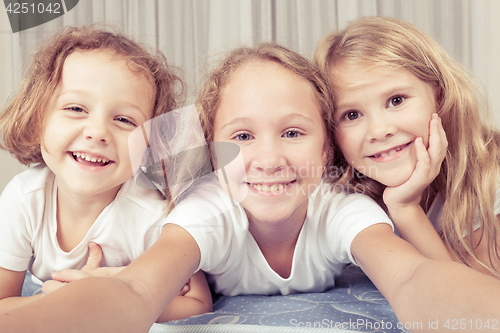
{"x": 192, "y": 32}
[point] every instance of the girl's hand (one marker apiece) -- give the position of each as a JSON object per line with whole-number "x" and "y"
{"x": 91, "y": 268}
{"x": 185, "y": 289}
{"x": 427, "y": 168}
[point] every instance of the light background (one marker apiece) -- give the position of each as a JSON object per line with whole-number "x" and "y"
{"x": 192, "y": 33}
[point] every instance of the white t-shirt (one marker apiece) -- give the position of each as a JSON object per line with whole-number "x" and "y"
{"x": 233, "y": 260}
{"x": 28, "y": 226}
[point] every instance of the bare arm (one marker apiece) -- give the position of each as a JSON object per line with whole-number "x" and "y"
{"x": 129, "y": 302}
{"x": 414, "y": 227}
{"x": 197, "y": 300}
{"x": 11, "y": 284}
{"x": 423, "y": 290}
{"x": 195, "y": 297}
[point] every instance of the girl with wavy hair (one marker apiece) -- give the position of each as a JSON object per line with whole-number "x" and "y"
{"x": 86, "y": 90}
{"x": 402, "y": 105}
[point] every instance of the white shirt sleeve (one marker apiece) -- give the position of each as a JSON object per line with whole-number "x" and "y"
{"x": 15, "y": 234}
{"x": 346, "y": 218}
{"x": 208, "y": 214}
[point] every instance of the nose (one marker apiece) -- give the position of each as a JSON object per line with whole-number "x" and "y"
{"x": 268, "y": 156}
{"x": 381, "y": 127}
{"x": 97, "y": 130}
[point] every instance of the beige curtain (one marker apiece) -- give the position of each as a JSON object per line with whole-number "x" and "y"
{"x": 191, "y": 33}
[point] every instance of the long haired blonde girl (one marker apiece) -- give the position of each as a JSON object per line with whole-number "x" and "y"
{"x": 469, "y": 174}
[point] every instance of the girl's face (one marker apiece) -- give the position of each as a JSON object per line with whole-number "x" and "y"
{"x": 380, "y": 114}
{"x": 99, "y": 101}
{"x": 274, "y": 117}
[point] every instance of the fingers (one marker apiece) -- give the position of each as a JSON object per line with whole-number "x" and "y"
{"x": 69, "y": 275}
{"x": 184, "y": 290}
{"x": 51, "y": 285}
{"x": 438, "y": 144}
{"x": 95, "y": 257}
{"x": 423, "y": 159}
{"x": 426, "y": 170}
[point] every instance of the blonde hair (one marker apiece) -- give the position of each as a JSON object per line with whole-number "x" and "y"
{"x": 468, "y": 176}
{"x": 212, "y": 88}
{"x": 21, "y": 123}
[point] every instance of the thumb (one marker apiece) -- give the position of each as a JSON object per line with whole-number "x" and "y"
{"x": 51, "y": 285}
{"x": 95, "y": 257}
{"x": 68, "y": 275}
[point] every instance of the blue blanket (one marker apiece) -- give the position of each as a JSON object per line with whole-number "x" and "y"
{"x": 354, "y": 305}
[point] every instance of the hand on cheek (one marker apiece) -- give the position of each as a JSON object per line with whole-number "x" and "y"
{"x": 427, "y": 168}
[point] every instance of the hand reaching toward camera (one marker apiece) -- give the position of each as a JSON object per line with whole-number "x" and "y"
{"x": 91, "y": 268}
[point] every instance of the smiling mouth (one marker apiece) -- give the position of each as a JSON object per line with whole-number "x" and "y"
{"x": 390, "y": 151}
{"x": 263, "y": 187}
{"x": 89, "y": 160}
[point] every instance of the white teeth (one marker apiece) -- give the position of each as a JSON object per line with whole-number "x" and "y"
{"x": 88, "y": 158}
{"x": 268, "y": 188}
{"x": 393, "y": 151}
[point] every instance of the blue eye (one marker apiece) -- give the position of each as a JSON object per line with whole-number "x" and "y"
{"x": 396, "y": 101}
{"x": 292, "y": 134}
{"x": 243, "y": 137}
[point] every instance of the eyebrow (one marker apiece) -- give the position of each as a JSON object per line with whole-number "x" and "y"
{"x": 236, "y": 121}
{"x": 83, "y": 92}
{"x": 391, "y": 91}
{"x": 247, "y": 119}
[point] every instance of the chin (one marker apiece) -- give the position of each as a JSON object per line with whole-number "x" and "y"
{"x": 395, "y": 176}
{"x": 394, "y": 181}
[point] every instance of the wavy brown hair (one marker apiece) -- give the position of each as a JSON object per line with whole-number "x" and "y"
{"x": 21, "y": 122}
{"x": 468, "y": 179}
{"x": 213, "y": 86}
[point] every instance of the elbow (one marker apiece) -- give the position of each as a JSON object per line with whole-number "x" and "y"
{"x": 409, "y": 289}
{"x": 207, "y": 307}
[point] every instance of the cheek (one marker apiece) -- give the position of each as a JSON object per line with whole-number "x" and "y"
{"x": 124, "y": 152}
{"x": 232, "y": 178}
{"x": 346, "y": 142}
{"x": 420, "y": 128}
{"x": 48, "y": 145}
